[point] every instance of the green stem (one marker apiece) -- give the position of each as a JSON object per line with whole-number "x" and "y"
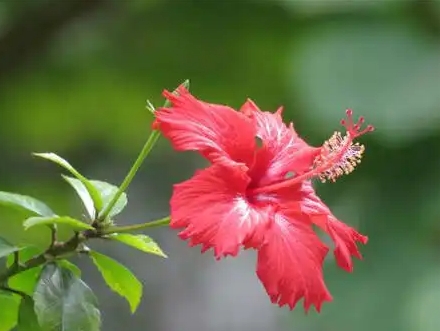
{"x": 135, "y": 227}
{"x": 16, "y": 269}
{"x": 69, "y": 246}
{"x": 152, "y": 139}
{"x": 17, "y": 292}
{"x": 16, "y": 261}
{"x": 57, "y": 250}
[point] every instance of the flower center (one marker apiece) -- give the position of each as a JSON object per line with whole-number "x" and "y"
{"x": 342, "y": 149}
{"x": 338, "y": 156}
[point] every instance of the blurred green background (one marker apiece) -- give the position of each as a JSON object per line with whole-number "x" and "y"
{"x": 74, "y": 79}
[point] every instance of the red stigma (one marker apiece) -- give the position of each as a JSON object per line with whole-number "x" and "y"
{"x": 354, "y": 129}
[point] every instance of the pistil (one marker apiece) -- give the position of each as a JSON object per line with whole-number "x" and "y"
{"x": 338, "y": 156}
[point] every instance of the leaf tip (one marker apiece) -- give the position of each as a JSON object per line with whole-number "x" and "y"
{"x": 162, "y": 254}
{"x": 134, "y": 305}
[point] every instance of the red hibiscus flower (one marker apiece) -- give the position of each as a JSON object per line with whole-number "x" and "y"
{"x": 257, "y": 192}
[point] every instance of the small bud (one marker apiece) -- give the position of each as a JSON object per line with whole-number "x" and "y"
{"x": 185, "y": 84}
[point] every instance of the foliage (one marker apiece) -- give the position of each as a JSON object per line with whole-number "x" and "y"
{"x": 314, "y": 57}
{"x": 43, "y": 290}
{"x": 46, "y": 287}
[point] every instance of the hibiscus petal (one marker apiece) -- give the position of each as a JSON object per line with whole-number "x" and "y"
{"x": 290, "y": 264}
{"x": 213, "y": 209}
{"x": 344, "y": 236}
{"x": 283, "y": 150}
{"x": 218, "y": 132}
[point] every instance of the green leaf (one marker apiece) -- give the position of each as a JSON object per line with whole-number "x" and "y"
{"x": 119, "y": 279}
{"x": 94, "y": 194}
{"x": 7, "y": 248}
{"x": 69, "y": 265}
{"x": 66, "y": 220}
{"x": 84, "y": 195}
{"x": 107, "y": 192}
{"x": 142, "y": 242}
{"x": 65, "y": 302}
{"x": 27, "y": 319}
{"x": 24, "y": 202}
{"x": 25, "y": 281}
{"x": 4, "y": 293}
{"x": 8, "y": 311}
{"x": 25, "y": 254}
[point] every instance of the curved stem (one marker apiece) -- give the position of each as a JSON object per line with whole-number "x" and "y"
{"x": 59, "y": 249}
{"x": 151, "y": 141}
{"x": 66, "y": 247}
{"x": 16, "y": 269}
{"x": 11, "y": 290}
{"x": 135, "y": 227}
